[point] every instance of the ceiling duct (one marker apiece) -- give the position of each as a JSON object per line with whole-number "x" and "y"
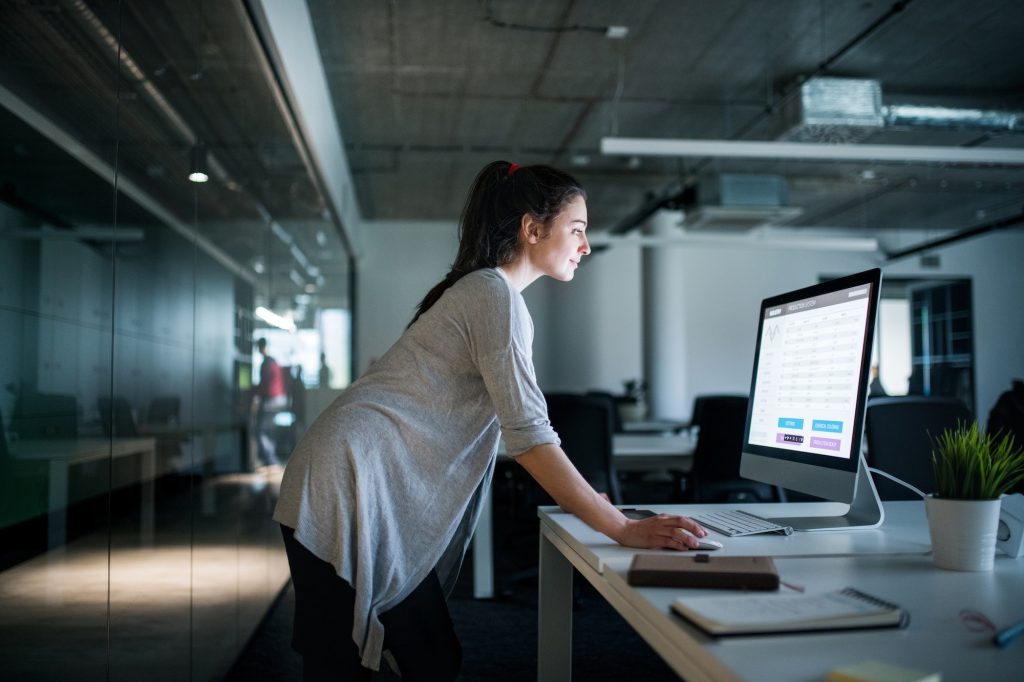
{"x": 848, "y": 110}
{"x": 734, "y": 202}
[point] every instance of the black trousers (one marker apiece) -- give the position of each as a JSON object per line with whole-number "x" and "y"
{"x": 418, "y": 631}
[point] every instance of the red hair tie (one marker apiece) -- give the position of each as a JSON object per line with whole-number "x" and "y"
{"x": 512, "y": 169}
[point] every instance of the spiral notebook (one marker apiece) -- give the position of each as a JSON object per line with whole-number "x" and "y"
{"x": 745, "y": 614}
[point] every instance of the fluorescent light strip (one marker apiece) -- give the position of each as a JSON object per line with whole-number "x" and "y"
{"x": 275, "y": 320}
{"x": 796, "y": 243}
{"x": 807, "y": 151}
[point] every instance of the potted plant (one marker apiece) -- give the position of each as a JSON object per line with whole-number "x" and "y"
{"x": 633, "y": 406}
{"x": 972, "y": 469}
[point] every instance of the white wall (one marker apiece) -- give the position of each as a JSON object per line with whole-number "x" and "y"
{"x": 588, "y": 331}
{"x": 720, "y": 295}
{"x": 401, "y": 262}
{"x": 589, "y": 335}
{"x": 722, "y": 290}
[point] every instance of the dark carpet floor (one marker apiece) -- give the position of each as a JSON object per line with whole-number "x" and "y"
{"x": 499, "y": 636}
{"x": 499, "y": 642}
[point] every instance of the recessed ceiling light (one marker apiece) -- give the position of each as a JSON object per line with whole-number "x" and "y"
{"x": 197, "y": 170}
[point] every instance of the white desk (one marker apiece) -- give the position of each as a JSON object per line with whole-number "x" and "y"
{"x": 653, "y": 426}
{"x": 891, "y": 562}
{"x": 632, "y": 452}
{"x": 62, "y": 453}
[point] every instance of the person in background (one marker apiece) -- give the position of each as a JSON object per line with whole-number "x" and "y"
{"x": 875, "y": 388}
{"x": 271, "y": 396}
{"x": 379, "y": 500}
{"x": 324, "y": 380}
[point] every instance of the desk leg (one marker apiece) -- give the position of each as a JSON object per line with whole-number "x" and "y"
{"x": 56, "y": 525}
{"x": 554, "y": 626}
{"x": 207, "y": 466}
{"x": 483, "y": 551}
{"x": 148, "y": 497}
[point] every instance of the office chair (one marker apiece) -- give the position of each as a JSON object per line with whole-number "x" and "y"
{"x": 585, "y": 425}
{"x": 899, "y": 432}
{"x": 715, "y": 476}
{"x": 698, "y": 405}
{"x": 45, "y": 415}
{"x": 613, "y": 403}
{"x": 3, "y": 441}
{"x": 116, "y": 417}
{"x": 164, "y": 410}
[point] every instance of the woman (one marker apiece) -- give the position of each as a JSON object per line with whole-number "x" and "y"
{"x": 379, "y": 500}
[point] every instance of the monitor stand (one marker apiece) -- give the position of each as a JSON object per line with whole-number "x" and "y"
{"x": 865, "y": 510}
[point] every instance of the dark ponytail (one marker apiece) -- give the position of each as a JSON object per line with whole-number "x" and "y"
{"x": 500, "y": 196}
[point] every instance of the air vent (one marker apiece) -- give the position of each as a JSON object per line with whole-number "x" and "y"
{"x": 833, "y": 110}
{"x": 735, "y": 202}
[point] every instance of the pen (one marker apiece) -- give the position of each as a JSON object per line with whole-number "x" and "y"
{"x": 1003, "y": 638}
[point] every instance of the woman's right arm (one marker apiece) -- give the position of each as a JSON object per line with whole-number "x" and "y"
{"x": 549, "y": 465}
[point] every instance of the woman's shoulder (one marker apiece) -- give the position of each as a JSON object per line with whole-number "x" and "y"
{"x": 484, "y": 283}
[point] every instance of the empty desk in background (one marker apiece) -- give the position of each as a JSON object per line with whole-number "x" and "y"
{"x": 653, "y": 426}
{"x": 62, "y": 454}
{"x": 633, "y": 452}
{"x": 203, "y": 455}
{"x": 891, "y": 563}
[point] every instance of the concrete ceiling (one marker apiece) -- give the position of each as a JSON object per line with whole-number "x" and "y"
{"x": 427, "y": 92}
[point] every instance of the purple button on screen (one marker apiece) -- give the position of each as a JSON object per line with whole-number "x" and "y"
{"x": 825, "y": 443}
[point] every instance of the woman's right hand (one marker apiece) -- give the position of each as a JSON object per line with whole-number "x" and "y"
{"x": 664, "y": 531}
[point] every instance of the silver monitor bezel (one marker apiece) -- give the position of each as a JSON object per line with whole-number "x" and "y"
{"x": 832, "y": 478}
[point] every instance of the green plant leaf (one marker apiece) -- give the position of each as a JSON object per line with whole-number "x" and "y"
{"x": 972, "y": 465}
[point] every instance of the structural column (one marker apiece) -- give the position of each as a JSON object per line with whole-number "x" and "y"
{"x": 664, "y": 324}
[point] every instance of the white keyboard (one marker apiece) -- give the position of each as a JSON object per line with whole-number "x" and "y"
{"x": 735, "y": 523}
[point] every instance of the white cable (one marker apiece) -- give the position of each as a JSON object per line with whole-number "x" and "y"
{"x": 897, "y": 480}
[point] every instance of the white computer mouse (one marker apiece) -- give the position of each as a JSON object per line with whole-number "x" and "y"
{"x": 706, "y": 545}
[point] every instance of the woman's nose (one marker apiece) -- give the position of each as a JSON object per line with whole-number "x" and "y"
{"x": 585, "y": 247}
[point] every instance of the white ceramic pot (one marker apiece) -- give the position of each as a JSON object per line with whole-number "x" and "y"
{"x": 963, "y": 532}
{"x": 632, "y": 412}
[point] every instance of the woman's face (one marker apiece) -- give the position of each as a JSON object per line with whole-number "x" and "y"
{"x": 557, "y": 254}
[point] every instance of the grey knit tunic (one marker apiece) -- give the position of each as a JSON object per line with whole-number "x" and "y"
{"x": 386, "y": 483}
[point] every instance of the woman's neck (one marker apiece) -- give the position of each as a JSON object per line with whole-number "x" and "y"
{"x": 520, "y": 273}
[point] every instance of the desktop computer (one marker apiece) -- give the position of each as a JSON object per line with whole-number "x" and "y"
{"x": 808, "y": 396}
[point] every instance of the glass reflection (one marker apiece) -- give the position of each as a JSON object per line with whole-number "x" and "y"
{"x": 135, "y": 530}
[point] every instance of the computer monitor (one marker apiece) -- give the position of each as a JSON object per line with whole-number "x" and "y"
{"x": 808, "y": 395}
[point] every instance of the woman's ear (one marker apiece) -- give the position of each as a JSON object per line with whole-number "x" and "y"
{"x": 531, "y": 229}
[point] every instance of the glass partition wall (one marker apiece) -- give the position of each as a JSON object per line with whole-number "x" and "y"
{"x": 135, "y": 530}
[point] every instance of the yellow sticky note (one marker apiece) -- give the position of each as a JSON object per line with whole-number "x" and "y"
{"x": 879, "y": 671}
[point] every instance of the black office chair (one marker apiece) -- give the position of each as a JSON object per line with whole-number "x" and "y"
{"x": 116, "y": 417}
{"x": 585, "y": 424}
{"x": 613, "y": 403}
{"x": 899, "y": 432}
{"x": 3, "y": 441}
{"x": 715, "y": 476}
{"x": 698, "y": 405}
{"x": 164, "y": 410}
{"x": 45, "y": 415}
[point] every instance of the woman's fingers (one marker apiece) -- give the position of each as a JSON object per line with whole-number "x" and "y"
{"x": 672, "y": 531}
{"x": 666, "y": 530}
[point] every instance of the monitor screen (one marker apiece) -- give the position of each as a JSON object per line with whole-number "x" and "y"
{"x": 809, "y": 387}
